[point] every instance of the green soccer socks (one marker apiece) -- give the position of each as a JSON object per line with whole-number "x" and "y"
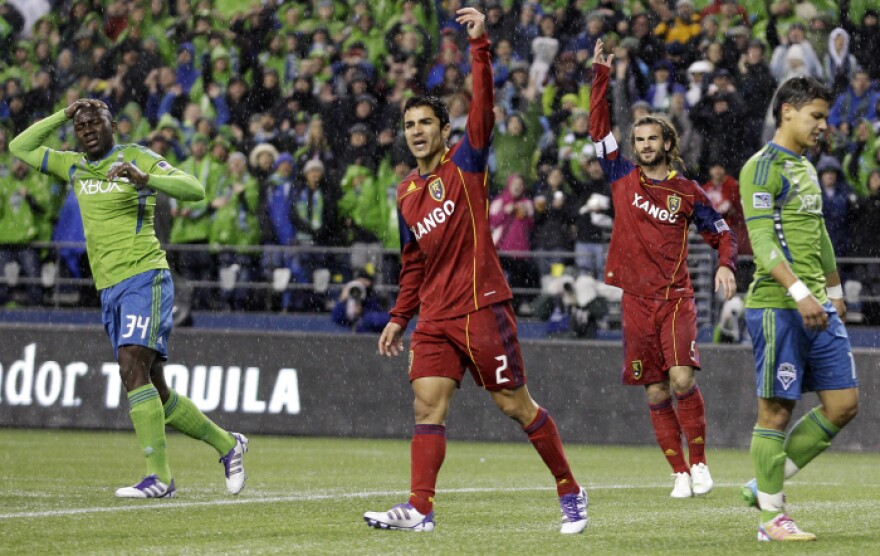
{"x": 182, "y": 414}
{"x": 768, "y": 458}
{"x": 149, "y": 427}
{"x": 809, "y": 437}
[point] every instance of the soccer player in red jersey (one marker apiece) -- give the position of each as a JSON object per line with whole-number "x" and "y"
{"x": 451, "y": 276}
{"x": 654, "y": 206}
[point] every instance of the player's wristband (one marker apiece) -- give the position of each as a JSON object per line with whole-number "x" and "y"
{"x": 799, "y": 291}
{"x": 834, "y": 292}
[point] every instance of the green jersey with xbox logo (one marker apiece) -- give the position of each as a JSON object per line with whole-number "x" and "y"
{"x": 117, "y": 216}
{"x": 782, "y": 203}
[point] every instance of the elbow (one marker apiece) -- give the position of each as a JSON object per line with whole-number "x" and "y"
{"x": 196, "y": 195}
{"x": 15, "y": 148}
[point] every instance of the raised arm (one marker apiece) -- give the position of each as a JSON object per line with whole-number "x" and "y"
{"x": 481, "y": 118}
{"x": 600, "y": 116}
{"x": 28, "y": 145}
{"x": 607, "y": 149}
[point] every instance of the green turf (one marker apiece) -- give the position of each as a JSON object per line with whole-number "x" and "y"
{"x": 307, "y": 495}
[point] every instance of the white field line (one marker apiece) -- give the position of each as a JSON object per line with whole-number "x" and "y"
{"x": 176, "y": 504}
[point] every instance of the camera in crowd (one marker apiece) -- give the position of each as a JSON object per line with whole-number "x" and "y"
{"x": 357, "y": 290}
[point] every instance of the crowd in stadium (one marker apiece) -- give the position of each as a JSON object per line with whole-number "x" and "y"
{"x": 289, "y": 113}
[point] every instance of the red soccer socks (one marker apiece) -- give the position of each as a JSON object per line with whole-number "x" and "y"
{"x": 692, "y": 417}
{"x": 427, "y": 451}
{"x": 668, "y": 434}
{"x": 545, "y": 438}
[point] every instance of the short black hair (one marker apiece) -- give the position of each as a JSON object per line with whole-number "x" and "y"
{"x": 798, "y": 92}
{"x": 100, "y": 110}
{"x": 436, "y": 104}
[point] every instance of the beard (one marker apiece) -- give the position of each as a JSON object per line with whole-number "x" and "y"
{"x": 657, "y": 160}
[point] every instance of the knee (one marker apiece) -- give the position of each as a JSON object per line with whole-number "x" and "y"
{"x": 518, "y": 408}
{"x": 133, "y": 377}
{"x": 658, "y": 393}
{"x": 776, "y": 418}
{"x": 682, "y": 382}
{"x": 843, "y": 414}
{"x": 508, "y": 407}
{"x": 429, "y": 411}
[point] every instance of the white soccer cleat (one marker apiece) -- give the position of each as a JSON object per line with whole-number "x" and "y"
{"x": 402, "y": 517}
{"x": 701, "y": 479}
{"x": 682, "y": 486}
{"x": 574, "y": 512}
{"x": 233, "y": 464}
{"x": 149, "y": 487}
{"x": 783, "y": 529}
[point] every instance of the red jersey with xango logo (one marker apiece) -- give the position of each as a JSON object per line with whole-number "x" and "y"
{"x": 449, "y": 264}
{"x": 649, "y": 241}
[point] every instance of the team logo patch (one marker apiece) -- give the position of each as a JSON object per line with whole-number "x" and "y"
{"x": 636, "y": 367}
{"x": 786, "y": 374}
{"x": 673, "y": 203}
{"x": 762, "y": 201}
{"x": 438, "y": 192}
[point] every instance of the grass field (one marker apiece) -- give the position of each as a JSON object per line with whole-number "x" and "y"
{"x": 307, "y": 495}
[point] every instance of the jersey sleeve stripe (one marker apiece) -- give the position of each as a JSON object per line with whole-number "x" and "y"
{"x": 474, "y": 230}
{"x": 44, "y": 165}
{"x": 780, "y": 234}
{"x": 764, "y": 165}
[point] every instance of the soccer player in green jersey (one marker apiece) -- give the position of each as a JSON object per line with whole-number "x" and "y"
{"x": 794, "y": 309}
{"x": 116, "y": 187}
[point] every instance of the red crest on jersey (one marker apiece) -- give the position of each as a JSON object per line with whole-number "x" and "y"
{"x": 438, "y": 192}
{"x": 673, "y": 203}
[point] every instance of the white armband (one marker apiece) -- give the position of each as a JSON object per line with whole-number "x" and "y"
{"x": 606, "y": 146}
{"x": 834, "y": 292}
{"x": 799, "y": 291}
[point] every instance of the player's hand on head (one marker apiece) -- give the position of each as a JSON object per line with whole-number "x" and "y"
{"x": 76, "y": 105}
{"x": 390, "y": 343}
{"x": 473, "y": 21}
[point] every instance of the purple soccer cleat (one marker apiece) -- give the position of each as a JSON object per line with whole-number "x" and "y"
{"x": 402, "y": 517}
{"x": 149, "y": 487}
{"x": 233, "y": 464}
{"x": 574, "y": 512}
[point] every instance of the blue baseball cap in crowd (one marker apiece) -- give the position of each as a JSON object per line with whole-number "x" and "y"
{"x": 282, "y": 158}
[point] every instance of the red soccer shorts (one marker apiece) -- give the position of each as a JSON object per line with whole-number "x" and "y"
{"x": 484, "y": 342}
{"x": 657, "y": 334}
